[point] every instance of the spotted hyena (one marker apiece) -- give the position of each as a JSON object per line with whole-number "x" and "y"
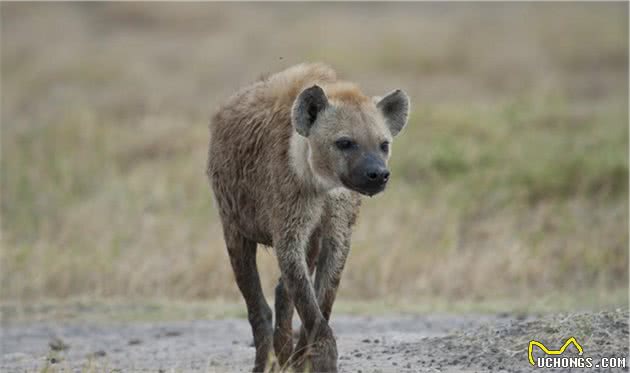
{"x": 289, "y": 158}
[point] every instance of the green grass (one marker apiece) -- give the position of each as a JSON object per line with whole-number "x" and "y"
{"x": 510, "y": 182}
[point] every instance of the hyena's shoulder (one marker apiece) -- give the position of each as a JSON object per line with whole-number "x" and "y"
{"x": 275, "y": 91}
{"x": 284, "y": 86}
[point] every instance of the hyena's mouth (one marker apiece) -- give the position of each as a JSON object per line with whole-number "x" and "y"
{"x": 367, "y": 190}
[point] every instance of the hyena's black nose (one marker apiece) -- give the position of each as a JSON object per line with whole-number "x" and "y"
{"x": 378, "y": 175}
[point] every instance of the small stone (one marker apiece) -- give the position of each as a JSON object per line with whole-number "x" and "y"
{"x": 58, "y": 345}
{"x": 99, "y": 353}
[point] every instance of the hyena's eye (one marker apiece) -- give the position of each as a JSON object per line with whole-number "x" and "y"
{"x": 385, "y": 146}
{"x": 345, "y": 144}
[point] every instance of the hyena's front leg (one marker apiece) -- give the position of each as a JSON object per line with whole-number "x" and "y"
{"x": 332, "y": 261}
{"x": 336, "y": 230}
{"x": 336, "y": 234}
{"x": 321, "y": 343}
{"x": 283, "y": 331}
{"x": 330, "y": 266}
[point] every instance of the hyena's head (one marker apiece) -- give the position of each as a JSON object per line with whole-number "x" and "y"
{"x": 347, "y": 135}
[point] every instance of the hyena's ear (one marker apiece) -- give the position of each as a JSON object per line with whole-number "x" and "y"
{"x": 395, "y": 109}
{"x": 307, "y": 107}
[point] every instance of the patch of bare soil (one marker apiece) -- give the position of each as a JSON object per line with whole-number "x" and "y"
{"x": 427, "y": 343}
{"x": 503, "y": 345}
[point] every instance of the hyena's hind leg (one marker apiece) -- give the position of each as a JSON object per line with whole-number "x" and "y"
{"x": 243, "y": 259}
{"x": 283, "y": 332}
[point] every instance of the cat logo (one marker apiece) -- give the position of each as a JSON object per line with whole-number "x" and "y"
{"x": 566, "y": 344}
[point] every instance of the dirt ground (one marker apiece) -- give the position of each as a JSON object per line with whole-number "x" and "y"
{"x": 424, "y": 343}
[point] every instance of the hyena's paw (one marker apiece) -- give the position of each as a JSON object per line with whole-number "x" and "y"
{"x": 323, "y": 356}
{"x": 318, "y": 356}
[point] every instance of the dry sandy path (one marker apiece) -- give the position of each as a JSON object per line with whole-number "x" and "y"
{"x": 427, "y": 343}
{"x": 365, "y": 343}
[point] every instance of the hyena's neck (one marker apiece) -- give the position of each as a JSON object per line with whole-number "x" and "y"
{"x": 301, "y": 164}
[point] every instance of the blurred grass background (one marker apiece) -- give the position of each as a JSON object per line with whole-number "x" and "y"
{"x": 510, "y": 181}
